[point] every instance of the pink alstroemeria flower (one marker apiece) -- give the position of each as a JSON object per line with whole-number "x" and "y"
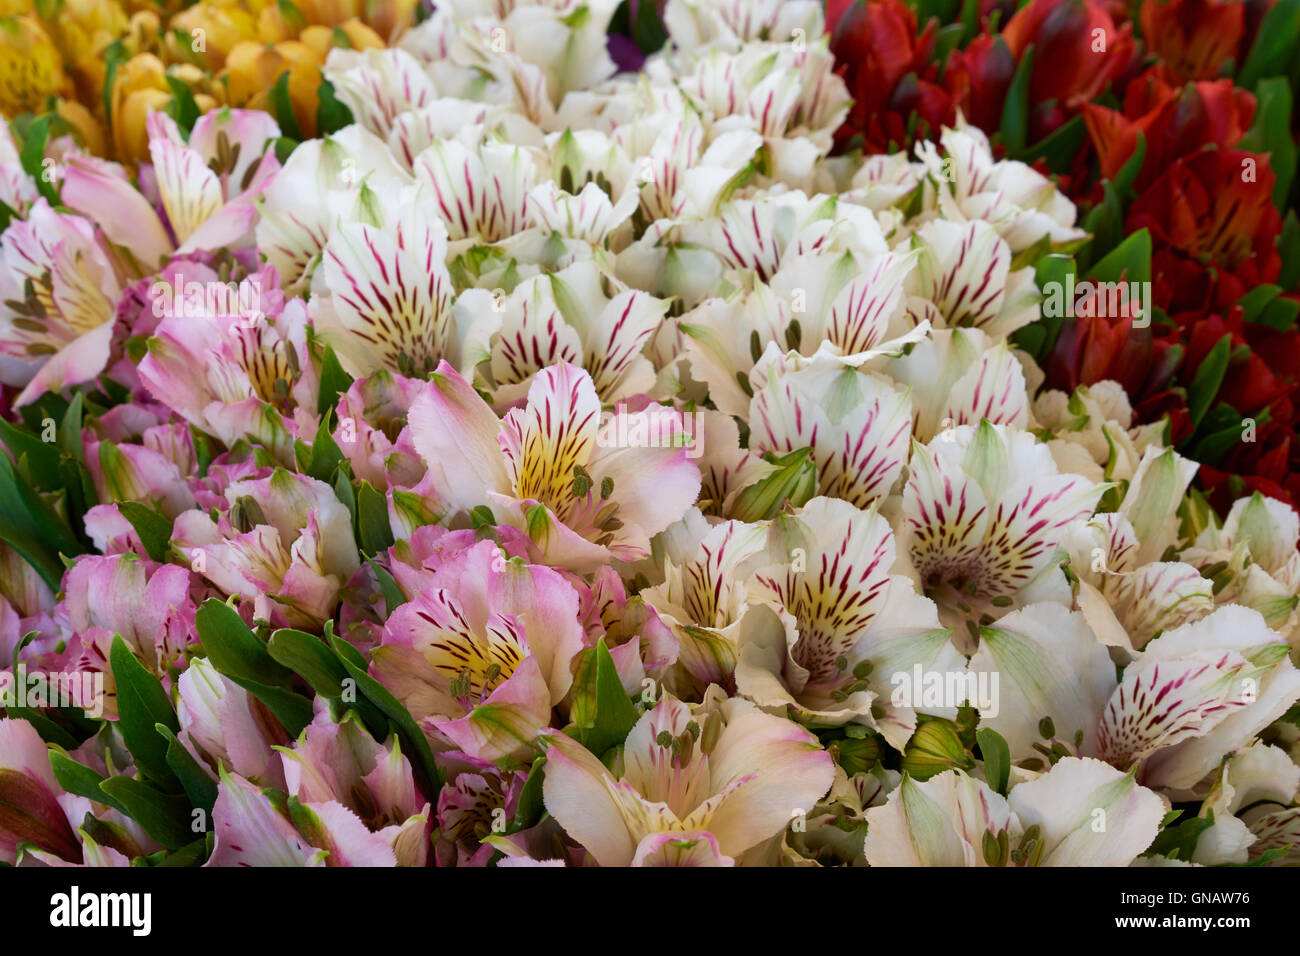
{"x": 205, "y": 186}
{"x": 284, "y": 542}
{"x": 585, "y": 494}
{"x": 483, "y": 654}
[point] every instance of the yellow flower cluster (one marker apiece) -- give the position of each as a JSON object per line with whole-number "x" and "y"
{"x": 62, "y": 54}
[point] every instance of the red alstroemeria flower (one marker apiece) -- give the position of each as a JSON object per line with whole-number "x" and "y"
{"x": 1194, "y": 38}
{"x": 877, "y": 47}
{"x": 1078, "y": 50}
{"x": 978, "y": 78}
{"x": 1176, "y": 120}
{"x": 1211, "y": 209}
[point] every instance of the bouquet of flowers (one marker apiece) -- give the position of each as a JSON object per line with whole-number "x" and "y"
{"x": 720, "y": 432}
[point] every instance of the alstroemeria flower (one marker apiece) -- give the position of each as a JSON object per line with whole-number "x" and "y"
{"x": 228, "y": 724}
{"x": 1128, "y": 603}
{"x": 788, "y": 96}
{"x": 58, "y": 299}
{"x": 963, "y": 278}
{"x": 858, "y": 425}
{"x": 961, "y": 377}
{"x": 1254, "y": 559}
{"x": 1193, "y": 38}
{"x": 324, "y": 182}
{"x": 253, "y": 830}
{"x": 1078, "y": 50}
{"x": 1259, "y": 775}
{"x": 476, "y": 795}
{"x": 378, "y": 86}
{"x": 206, "y": 186}
{"x": 984, "y": 511}
{"x": 283, "y": 542}
{"x": 1021, "y": 204}
{"x": 567, "y": 316}
{"x": 382, "y": 295}
{"x": 705, "y": 593}
{"x": 236, "y": 376}
{"x": 833, "y": 832}
{"x": 155, "y": 471}
{"x": 338, "y": 776}
{"x": 31, "y": 796}
{"x": 840, "y": 626}
{"x": 482, "y": 193}
{"x": 695, "y": 787}
{"x": 1195, "y": 693}
{"x": 584, "y": 490}
{"x": 701, "y": 23}
{"x": 148, "y": 605}
{"x": 1091, "y": 431}
{"x": 483, "y": 653}
{"x": 1050, "y": 821}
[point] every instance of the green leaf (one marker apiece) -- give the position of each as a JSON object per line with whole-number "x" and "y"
{"x": 530, "y": 808}
{"x": 372, "y": 520}
{"x": 1059, "y": 148}
{"x": 1015, "y": 111}
{"x": 32, "y": 527}
{"x": 1208, "y": 378}
{"x": 163, "y": 816}
{"x": 997, "y": 758}
{"x": 333, "y": 381}
{"x": 181, "y": 107}
{"x": 282, "y": 107}
{"x": 233, "y": 648}
{"x": 324, "y": 454}
{"x": 393, "y": 596}
{"x": 1129, "y": 261}
{"x": 152, "y": 526}
{"x": 190, "y": 855}
{"x": 80, "y": 780}
{"x": 1271, "y": 133}
{"x": 198, "y": 786}
{"x": 606, "y": 713}
{"x": 308, "y": 657}
{"x": 331, "y": 114}
{"x": 141, "y": 705}
{"x": 32, "y": 155}
{"x": 1274, "y": 47}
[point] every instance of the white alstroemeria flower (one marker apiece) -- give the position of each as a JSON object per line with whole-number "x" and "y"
{"x": 1080, "y": 813}
{"x": 695, "y": 786}
{"x": 565, "y": 317}
{"x": 1257, "y": 774}
{"x": 858, "y": 426}
{"x": 840, "y": 625}
{"x": 378, "y": 86}
{"x": 834, "y": 828}
{"x": 1128, "y": 603}
{"x": 323, "y": 183}
{"x": 1195, "y": 693}
{"x": 882, "y": 181}
{"x": 480, "y": 192}
{"x": 726, "y": 469}
{"x": 731, "y": 24}
{"x": 706, "y": 594}
{"x": 961, "y": 377}
{"x": 469, "y": 122}
{"x": 1254, "y": 556}
{"x": 1022, "y": 204}
{"x": 794, "y": 100}
{"x": 1240, "y": 678}
{"x": 1091, "y": 432}
{"x": 382, "y": 294}
{"x": 984, "y": 511}
{"x": 963, "y": 278}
